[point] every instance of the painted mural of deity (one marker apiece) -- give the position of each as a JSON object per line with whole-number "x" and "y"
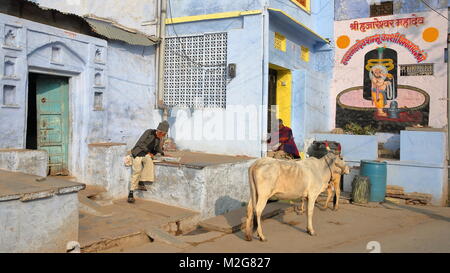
{"x": 381, "y": 102}
{"x": 380, "y": 78}
{"x": 391, "y": 72}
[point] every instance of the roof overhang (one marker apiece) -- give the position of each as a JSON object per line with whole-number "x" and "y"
{"x": 292, "y": 23}
{"x": 104, "y": 28}
{"x": 111, "y": 30}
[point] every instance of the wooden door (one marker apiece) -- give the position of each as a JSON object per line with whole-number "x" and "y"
{"x": 52, "y": 105}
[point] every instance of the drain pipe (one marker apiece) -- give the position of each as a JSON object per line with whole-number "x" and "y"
{"x": 448, "y": 96}
{"x": 161, "y": 49}
{"x": 265, "y": 79}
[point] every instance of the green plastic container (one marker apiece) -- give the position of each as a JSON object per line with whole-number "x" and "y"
{"x": 377, "y": 173}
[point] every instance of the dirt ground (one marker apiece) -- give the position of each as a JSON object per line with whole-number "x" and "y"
{"x": 390, "y": 228}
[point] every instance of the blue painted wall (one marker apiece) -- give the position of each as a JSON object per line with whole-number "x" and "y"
{"x": 310, "y": 80}
{"x": 247, "y": 38}
{"x": 181, "y": 8}
{"x": 208, "y": 130}
{"x": 130, "y": 99}
{"x": 345, "y": 9}
{"x": 127, "y": 84}
{"x": 319, "y": 19}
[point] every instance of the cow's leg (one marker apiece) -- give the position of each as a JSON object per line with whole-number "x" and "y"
{"x": 337, "y": 188}
{"x": 260, "y": 205}
{"x": 329, "y": 196}
{"x": 300, "y": 209}
{"x": 249, "y": 221}
{"x": 309, "y": 213}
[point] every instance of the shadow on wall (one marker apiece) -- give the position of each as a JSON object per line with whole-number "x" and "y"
{"x": 226, "y": 204}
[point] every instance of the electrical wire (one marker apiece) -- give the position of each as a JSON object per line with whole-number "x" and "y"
{"x": 426, "y": 4}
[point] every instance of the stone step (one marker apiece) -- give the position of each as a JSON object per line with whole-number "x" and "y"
{"x": 92, "y": 205}
{"x": 131, "y": 225}
{"x": 234, "y": 220}
{"x": 91, "y": 191}
{"x": 160, "y": 235}
{"x": 89, "y": 206}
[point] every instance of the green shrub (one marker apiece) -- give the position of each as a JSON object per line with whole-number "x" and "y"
{"x": 356, "y": 129}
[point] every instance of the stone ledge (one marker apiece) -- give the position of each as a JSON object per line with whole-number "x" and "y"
{"x": 15, "y": 185}
{"x": 106, "y": 144}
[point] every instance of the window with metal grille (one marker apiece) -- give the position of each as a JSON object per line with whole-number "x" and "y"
{"x": 304, "y": 53}
{"x": 280, "y": 42}
{"x": 195, "y": 71}
{"x": 385, "y": 8}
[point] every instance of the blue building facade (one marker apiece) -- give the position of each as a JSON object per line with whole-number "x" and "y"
{"x": 106, "y": 87}
{"x": 282, "y": 55}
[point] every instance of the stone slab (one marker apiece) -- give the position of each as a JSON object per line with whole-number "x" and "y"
{"x": 153, "y": 247}
{"x": 159, "y": 235}
{"x": 197, "y": 160}
{"x": 128, "y": 223}
{"x": 14, "y": 185}
{"x": 196, "y": 239}
{"x": 232, "y": 221}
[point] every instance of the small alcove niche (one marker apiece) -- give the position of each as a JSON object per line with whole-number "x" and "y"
{"x": 9, "y": 70}
{"x": 98, "y": 101}
{"x": 98, "y": 79}
{"x": 98, "y": 55}
{"x": 10, "y": 37}
{"x": 9, "y": 95}
{"x": 56, "y": 54}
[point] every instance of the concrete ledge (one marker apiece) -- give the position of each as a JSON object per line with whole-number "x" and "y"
{"x": 105, "y": 168}
{"x": 212, "y": 190}
{"x": 33, "y": 162}
{"x": 37, "y": 215}
{"x": 354, "y": 147}
{"x": 14, "y": 186}
{"x": 413, "y": 177}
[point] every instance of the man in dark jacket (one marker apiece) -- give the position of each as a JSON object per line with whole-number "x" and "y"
{"x": 148, "y": 145}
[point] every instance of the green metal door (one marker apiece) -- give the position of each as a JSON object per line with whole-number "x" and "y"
{"x": 53, "y": 121}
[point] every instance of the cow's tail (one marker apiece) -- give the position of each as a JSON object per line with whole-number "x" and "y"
{"x": 253, "y": 192}
{"x": 251, "y": 205}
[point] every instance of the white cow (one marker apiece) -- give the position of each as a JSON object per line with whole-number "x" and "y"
{"x": 289, "y": 180}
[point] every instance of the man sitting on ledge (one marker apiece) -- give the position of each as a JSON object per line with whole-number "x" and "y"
{"x": 148, "y": 145}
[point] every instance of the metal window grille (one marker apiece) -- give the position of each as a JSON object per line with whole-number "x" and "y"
{"x": 304, "y": 53}
{"x": 416, "y": 70}
{"x": 195, "y": 71}
{"x": 280, "y": 42}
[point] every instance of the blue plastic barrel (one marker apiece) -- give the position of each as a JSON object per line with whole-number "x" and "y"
{"x": 377, "y": 173}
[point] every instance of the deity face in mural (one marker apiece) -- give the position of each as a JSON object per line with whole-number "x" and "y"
{"x": 378, "y": 72}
